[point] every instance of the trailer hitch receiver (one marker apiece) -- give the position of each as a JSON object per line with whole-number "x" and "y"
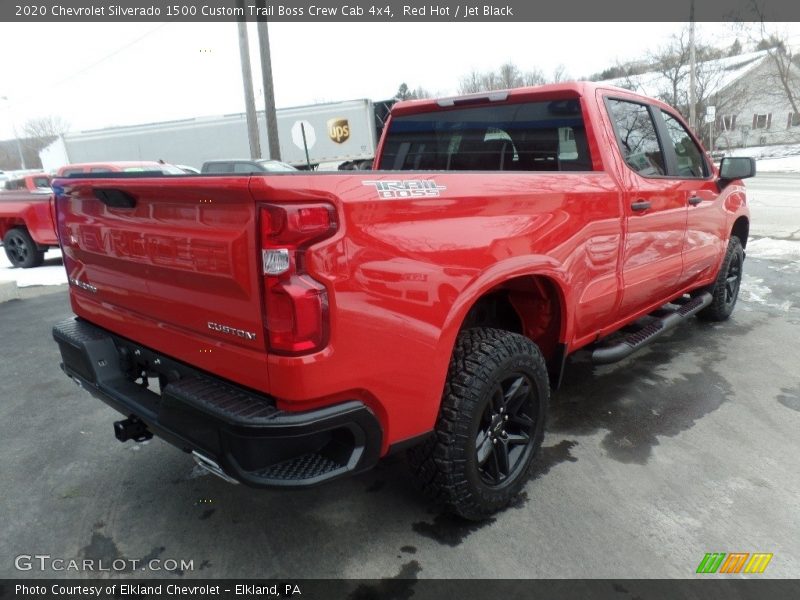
{"x": 132, "y": 428}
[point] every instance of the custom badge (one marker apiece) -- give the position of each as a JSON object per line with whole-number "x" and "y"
{"x": 339, "y": 130}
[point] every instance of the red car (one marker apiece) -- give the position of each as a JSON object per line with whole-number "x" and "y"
{"x": 26, "y": 220}
{"x": 119, "y": 166}
{"x": 291, "y": 329}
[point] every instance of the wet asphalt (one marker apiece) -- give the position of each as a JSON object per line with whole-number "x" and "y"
{"x": 689, "y": 447}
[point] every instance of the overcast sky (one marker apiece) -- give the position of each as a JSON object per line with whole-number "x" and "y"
{"x": 98, "y": 75}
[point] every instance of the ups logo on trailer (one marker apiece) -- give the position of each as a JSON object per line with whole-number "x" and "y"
{"x": 339, "y": 130}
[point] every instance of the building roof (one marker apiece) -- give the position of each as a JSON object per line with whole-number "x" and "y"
{"x": 719, "y": 74}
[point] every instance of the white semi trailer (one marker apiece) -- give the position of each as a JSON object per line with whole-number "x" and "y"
{"x": 336, "y": 133}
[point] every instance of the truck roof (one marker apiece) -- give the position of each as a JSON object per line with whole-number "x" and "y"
{"x": 117, "y": 165}
{"x": 573, "y": 89}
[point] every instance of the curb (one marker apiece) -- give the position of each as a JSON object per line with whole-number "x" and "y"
{"x": 8, "y": 291}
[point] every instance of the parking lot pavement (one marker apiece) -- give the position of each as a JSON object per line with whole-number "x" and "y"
{"x": 689, "y": 447}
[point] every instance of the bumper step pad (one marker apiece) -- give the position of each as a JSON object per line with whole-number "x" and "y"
{"x": 308, "y": 466}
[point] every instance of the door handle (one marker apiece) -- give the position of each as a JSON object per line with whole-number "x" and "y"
{"x": 640, "y": 205}
{"x": 695, "y": 200}
{"x": 114, "y": 198}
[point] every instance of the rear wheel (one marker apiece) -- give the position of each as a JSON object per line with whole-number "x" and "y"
{"x": 21, "y": 250}
{"x": 490, "y": 425}
{"x": 726, "y": 288}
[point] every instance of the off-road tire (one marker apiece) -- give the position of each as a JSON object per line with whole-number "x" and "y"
{"x": 726, "y": 288}
{"x": 21, "y": 250}
{"x": 446, "y": 465}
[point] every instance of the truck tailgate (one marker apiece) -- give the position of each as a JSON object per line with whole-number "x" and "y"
{"x": 172, "y": 254}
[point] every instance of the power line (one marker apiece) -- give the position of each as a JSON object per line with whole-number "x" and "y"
{"x": 17, "y": 99}
{"x": 109, "y": 55}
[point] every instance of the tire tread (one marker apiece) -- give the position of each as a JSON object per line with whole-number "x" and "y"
{"x": 439, "y": 462}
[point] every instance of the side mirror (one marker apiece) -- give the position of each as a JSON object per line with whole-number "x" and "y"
{"x": 736, "y": 167}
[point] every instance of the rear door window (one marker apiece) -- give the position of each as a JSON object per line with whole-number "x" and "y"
{"x": 245, "y": 168}
{"x": 637, "y": 138}
{"x": 531, "y": 136}
{"x": 219, "y": 167}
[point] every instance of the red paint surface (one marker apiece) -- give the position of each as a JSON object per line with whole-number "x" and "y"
{"x": 400, "y": 274}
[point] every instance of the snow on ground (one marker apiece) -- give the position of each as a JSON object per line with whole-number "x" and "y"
{"x": 774, "y": 151}
{"x": 771, "y": 159}
{"x": 753, "y": 289}
{"x": 786, "y": 257}
{"x": 771, "y": 249}
{"x": 789, "y": 164}
{"x": 50, "y": 273}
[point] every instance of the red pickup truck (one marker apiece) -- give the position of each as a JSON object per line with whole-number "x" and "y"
{"x": 289, "y": 329}
{"x": 26, "y": 221}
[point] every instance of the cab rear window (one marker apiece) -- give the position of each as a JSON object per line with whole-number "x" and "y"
{"x": 532, "y": 136}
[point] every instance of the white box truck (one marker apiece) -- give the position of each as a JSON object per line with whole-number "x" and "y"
{"x": 342, "y": 134}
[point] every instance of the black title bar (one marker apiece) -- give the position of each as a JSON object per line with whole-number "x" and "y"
{"x": 701, "y": 588}
{"x": 337, "y": 11}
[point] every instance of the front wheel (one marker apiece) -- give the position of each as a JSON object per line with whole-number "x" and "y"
{"x": 726, "y": 287}
{"x": 21, "y": 250}
{"x": 490, "y": 425}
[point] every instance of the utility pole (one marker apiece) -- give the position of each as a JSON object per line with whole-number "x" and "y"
{"x": 19, "y": 151}
{"x": 269, "y": 90}
{"x": 23, "y": 166}
{"x": 692, "y": 103}
{"x": 247, "y": 79}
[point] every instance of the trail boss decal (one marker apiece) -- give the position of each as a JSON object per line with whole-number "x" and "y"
{"x": 339, "y": 130}
{"x": 407, "y": 188}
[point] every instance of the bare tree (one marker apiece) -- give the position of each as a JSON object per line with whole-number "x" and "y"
{"x": 534, "y": 77}
{"x": 671, "y": 62}
{"x": 786, "y": 74}
{"x": 406, "y": 93}
{"x": 470, "y": 83}
{"x": 420, "y": 93}
{"x": 41, "y": 131}
{"x": 508, "y": 75}
{"x": 560, "y": 74}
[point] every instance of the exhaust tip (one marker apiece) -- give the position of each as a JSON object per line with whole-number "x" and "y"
{"x": 212, "y": 467}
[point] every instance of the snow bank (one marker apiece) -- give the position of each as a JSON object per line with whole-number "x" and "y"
{"x": 761, "y": 152}
{"x": 774, "y": 249}
{"x": 51, "y": 273}
{"x": 783, "y": 158}
{"x": 790, "y": 164}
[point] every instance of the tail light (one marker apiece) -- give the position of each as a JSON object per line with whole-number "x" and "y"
{"x": 296, "y": 305}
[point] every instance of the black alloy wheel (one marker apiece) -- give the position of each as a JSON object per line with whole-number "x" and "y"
{"x": 505, "y": 435}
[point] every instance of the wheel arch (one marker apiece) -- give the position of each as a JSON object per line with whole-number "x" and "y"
{"x": 741, "y": 229}
{"x": 530, "y": 299}
{"x": 9, "y": 223}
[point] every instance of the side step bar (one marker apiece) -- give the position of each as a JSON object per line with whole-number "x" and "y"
{"x": 639, "y": 339}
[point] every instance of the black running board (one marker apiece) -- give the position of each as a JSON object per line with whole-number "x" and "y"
{"x": 639, "y": 339}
